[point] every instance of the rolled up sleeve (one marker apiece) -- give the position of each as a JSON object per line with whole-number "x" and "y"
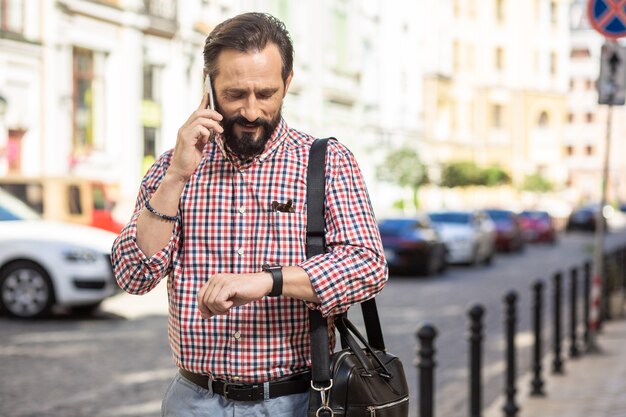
{"x": 136, "y": 273}
{"x": 354, "y": 268}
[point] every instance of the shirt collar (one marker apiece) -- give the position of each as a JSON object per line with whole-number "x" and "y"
{"x": 278, "y": 136}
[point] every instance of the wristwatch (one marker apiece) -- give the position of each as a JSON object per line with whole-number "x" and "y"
{"x": 277, "y": 279}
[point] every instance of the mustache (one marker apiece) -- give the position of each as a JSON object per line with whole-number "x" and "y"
{"x": 240, "y": 120}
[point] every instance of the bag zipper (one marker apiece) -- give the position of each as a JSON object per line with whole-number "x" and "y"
{"x": 372, "y": 408}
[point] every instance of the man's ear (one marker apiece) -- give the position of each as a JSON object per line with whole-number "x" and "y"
{"x": 288, "y": 82}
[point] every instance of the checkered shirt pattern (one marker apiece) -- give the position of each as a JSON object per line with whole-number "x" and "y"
{"x": 227, "y": 226}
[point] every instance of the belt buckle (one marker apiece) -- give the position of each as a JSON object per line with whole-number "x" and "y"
{"x": 227, "y": 386}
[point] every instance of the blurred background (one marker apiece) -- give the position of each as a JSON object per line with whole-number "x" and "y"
{"x": 446, "y": 103}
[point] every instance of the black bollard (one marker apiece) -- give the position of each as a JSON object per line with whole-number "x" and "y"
{"x": 557, "y": 362}
{"x": 573, "y": 303}
{"x": 604, "y": 293}
{"x": 510, "y": 317}
{"x": 476, "y": 314}
{"x": 426, "y": 335}
{"x": 586, "y": 304}
{"x": 537, "y": 382}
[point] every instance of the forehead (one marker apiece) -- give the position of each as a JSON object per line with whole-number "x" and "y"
{"x": 236, "y": 68}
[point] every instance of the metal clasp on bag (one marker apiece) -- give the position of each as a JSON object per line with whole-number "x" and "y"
{"x": 325, "y": 397}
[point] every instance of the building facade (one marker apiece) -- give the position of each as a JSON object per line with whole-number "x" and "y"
{"x": 586, "y": 131}
{"x": 495, "y": 84}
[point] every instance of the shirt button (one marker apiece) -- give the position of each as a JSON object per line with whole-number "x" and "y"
{"x": 241, "y": 251}
{"x": 237, "y": 335}
{"x": 242, "y": 209}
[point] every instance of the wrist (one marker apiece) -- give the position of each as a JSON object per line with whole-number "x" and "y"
{"x": 174, "y": 177}
{"x": 276, "y": 272}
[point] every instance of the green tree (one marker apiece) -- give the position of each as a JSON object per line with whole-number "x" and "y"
{"x": 494, "y": 175}
{"x": 403, "y": 167}
{"x": 460, "y": 174}
{"x": 536, "y": 183}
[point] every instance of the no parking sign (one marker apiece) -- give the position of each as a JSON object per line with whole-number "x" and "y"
{"x": 608, "y": 17}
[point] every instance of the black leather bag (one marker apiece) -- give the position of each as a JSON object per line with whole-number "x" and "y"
{"x": 362, "y": 379}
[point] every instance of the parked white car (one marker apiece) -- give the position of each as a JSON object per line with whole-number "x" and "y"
{"x": 45, "y": 263}
{"x": 470, "y": 235}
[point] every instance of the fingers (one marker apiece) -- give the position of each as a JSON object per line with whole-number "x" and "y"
{"x": 204, "y": 102}
{"x": 213, "y": 299}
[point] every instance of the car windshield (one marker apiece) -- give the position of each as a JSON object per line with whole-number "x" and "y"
{"x": 450, "y": 217}
{"x": 13, "y": 209}
{"x": 535, "y": 214}
{"x": 499, "y": 214}
{"x": 397, "y": 227}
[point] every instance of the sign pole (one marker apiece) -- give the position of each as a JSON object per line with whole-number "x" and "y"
{"x": 598, "y": 248}
{"x": 608, "y": 18}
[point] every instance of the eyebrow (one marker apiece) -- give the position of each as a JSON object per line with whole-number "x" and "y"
{"x": 268, "y": 90}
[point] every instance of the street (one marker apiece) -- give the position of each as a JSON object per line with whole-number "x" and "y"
{"x": 117, "y": 362}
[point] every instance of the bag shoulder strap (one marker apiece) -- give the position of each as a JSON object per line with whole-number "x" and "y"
{"x": 316, "y": 245}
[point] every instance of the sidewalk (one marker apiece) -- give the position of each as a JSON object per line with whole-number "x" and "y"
{"x": 593, "y": 385}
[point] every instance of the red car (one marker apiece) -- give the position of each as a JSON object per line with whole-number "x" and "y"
{"x": 509, "y": 235}
{"x": 538, "y": 226}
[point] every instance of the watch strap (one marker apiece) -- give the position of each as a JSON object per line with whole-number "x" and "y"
{"x": 277, "y": 279}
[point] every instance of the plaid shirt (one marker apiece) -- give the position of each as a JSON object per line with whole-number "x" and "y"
{"x": 227, "y": 226}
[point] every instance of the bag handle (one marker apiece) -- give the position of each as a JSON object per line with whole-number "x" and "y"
{"x": 346, "y": 330}
{"x": 316, "y": 245}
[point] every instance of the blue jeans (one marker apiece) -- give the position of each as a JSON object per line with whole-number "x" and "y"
{"x": 183, "y": 398}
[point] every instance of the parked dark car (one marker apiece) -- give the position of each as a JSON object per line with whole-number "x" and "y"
{"x": 412, "y": 245}
{"x": 509, "y": 234}
{"x": 538, "y": 226}
{"x": 584, "y": 219}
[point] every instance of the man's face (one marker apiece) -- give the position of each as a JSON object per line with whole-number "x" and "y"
{"x": 249, "y": 94}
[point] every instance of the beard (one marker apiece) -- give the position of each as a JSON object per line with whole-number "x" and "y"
{"x": 248, "y": 145}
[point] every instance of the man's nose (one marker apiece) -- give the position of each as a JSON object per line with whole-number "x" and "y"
{"x": 251, "y": 109}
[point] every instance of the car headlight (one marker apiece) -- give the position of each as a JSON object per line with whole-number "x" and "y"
{"x": 80, "y": 255}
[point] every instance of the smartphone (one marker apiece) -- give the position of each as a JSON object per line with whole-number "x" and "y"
{"x": 208, "y": 88}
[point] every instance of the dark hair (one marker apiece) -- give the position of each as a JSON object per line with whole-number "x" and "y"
{"x": 248, "y": 32}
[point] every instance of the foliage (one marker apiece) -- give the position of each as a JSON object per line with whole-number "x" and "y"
{"x": 537, "y": 183}
{"x": 460, "y": 174}
{"x": 494, "y": 175}
{"x": 403, "y": 167}
{"x": 466, "y": 173}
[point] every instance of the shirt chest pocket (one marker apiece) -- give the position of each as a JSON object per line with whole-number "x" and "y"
{"x": 288, "y": 238}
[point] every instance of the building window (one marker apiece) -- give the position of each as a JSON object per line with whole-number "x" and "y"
{"x": 589, "y": 150}
{"x": 580, "y": 53}
{"x": 12, "y": 16}
{"x": 589, "y": 117}
{"x": 543, "y": 120}
{"x": 151, "y": 84}
{"x": 590, "y": 84}
{"x": 500, "y": 13}
{"x": 569, "y": 150}
{"x": 340, "y": 18}
{"x": 497, "y": 116}
{"x": 570, "y": 117}
{"x": 553, "y": 63}
{"x": 83, "y": 100}
{"x": 456, "y": 55}
{"x": 499, "y": 58}
{"x": 554, "y": 13}
{"x": 572, "y": 84}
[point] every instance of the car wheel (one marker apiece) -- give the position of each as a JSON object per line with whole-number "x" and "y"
{"x": 489, "y": 259}
{"x": 25, "y": 290}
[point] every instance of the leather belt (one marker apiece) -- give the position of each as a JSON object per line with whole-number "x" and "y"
{"x": 251, "y": 392}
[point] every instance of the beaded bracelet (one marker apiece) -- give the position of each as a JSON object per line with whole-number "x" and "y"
{"x": 160, "y": 215}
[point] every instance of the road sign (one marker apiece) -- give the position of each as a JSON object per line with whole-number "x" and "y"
{"x": 608, "y": 17}
{"x": 612, "y": 80}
